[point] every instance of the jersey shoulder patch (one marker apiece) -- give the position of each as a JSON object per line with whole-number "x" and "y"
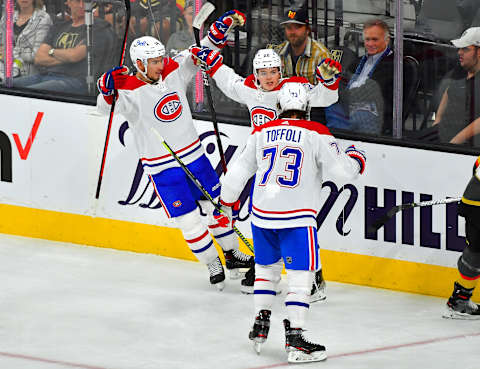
{"x": 250, "y": 82}
{"x": 133, "y": 83}
{"x": 168, "y": 67}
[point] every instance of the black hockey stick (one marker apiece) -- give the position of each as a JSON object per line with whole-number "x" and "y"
{"x": 112, "y": 109}
{"x": 201, "y": 17}
{"x": 391, "y": 213}
{"x": 199, "y": 186}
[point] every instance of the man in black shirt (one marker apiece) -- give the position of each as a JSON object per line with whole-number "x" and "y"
{"x": 458, "y": 115}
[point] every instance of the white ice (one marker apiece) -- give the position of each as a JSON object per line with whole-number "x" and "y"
{"x": 70, "y": 306}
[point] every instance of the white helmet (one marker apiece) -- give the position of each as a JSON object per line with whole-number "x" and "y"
{"x": 292, "y": 96}
{"x": 145, "y": 48}
{"x": 266, "y": 58}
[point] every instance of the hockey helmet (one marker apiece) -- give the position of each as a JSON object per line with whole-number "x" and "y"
{"x": 292, "y": 96}
{"x": 144, "y": 48}
{"x": 266, "y": 58}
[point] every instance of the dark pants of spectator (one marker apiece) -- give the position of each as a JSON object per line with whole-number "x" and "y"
{"x": 52, "y": 82}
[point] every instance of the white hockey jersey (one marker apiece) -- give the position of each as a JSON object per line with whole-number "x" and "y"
{"x": 163, "y": 106}
{"x": 288, "y": 158}
{"x": 262, "y": 105}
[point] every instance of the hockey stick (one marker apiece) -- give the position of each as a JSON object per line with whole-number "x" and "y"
{"x": 115, "y": 94}
{"x": 390, "y": 214}
{"x": 201, "y": 17}
{"x": 199, "y": 186}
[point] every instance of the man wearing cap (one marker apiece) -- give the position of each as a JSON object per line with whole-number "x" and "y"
{"x": 300, "y": 54}
{"x": 458, "y": 115}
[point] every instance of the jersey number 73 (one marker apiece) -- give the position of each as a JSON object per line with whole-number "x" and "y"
{"x": 289, "y": 176}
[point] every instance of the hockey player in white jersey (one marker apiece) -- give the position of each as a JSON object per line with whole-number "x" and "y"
{"x": 259, "y": 92}
{"x": 288, "y": 156}
{"x": 155, "y": 99}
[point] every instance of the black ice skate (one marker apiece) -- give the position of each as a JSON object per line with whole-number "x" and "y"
{"x": 299, "y": 349}
{"x": 259, "y": 332}
{"x": 459, "y": 305}
{"x": 236, "y": 260}
{"x": 246, "y": 285}
{"x": 318, "y": 288}
{"x": 217, "y": 275}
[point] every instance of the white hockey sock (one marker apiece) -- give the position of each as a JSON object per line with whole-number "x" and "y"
{"x": 197, "y": 237}
{"x": 267, "y": 278}
{"x": 297, "y": 301}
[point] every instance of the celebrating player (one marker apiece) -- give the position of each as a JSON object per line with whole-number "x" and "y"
{"x": 288, "y": 157}
{"x": 259, "y": 92}
{"x": 155, "y": 99}
{"x": 459, "y": 305}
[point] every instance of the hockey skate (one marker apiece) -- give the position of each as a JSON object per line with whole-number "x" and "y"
{"x": 217, "y": 275}
{"x": 246, "y": 285}
{"x": 259, "y": 332}
{"x": 459, "y": 305}
{"x": 299, "y": 349}
{"x": 318, "y": 288}
{"x": 236, "y": 260}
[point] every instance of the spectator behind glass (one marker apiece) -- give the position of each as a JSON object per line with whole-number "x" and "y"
{"x": 155, "y": 17}
{"x": 184, "y": 38}
{"x": 366, "y": 105}
{"x": 458, "y": 115}
{"x": 31, "y": 25}
{"x": 61, "y": 59}
{"x": 300, "y": 54}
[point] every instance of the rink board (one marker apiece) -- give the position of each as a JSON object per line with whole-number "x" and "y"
{"x": 49, "y": 172}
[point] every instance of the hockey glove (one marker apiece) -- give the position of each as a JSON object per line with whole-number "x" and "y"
{"x": 228, "y": 216}
{"x": 218, "y": 31}
{"x": 208, "y": 59}
{"x": 358, "y": 156}
{"x": 113, "y": 79}
{"x": 328, "y": 73}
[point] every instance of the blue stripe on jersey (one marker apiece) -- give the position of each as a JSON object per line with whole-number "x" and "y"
{"x": 172, "y": 160}
{"x": 297, "y": 303}
{"x": 228, "y": 233}
{"x": 264, "y": 292}
{"x": 203, "y": 248}
{"x": 289, "y": 218}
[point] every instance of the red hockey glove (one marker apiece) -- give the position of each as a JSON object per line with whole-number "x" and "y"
{"x": 358, "y": 156}
{"x": 328, "y": 73}
{"x": 208, "y": 59}
{"x": 219, "y": 29}
{"x": 113, "y": 79}
{"x": 228, "y": 216}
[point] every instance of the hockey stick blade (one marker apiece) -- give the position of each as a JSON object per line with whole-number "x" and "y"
{"x": 202, "y": 15}
{"x": 384, "y": 219}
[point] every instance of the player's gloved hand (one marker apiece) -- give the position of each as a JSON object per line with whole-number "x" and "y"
{"x": 219, "y": 29}
{"x": 228, "y": 216}
{"x": 113, "y": 79}
{"x": 208, "y": 59}
{"x": 358, "y": 156}
{"x": 328, "y": 73}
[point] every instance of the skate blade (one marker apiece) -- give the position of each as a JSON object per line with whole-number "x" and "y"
{"x": 257, "y": 346}
{"x": 220, "y": 286}
{"x": 317, "y": 297}
{"x": 236, "y": 274}
{"x": 452, "y": 314}
{"x": 297, "y": 357}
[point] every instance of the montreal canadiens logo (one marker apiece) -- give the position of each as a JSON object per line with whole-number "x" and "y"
{"x": 169, "y": 108}
{"x": 177, "y": 204}
{"x": 261, "y": 115}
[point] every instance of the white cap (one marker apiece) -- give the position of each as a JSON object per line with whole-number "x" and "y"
{"x": 471, "y": 37}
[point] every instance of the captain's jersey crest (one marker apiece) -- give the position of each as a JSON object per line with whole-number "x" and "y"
{"x": 260, "y": 115}
{"x": 169, "y": 108}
